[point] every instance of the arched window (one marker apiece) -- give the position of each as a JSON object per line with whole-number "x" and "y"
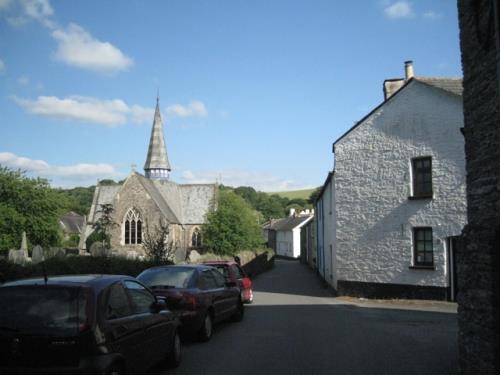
{"x": 133, "y": 227}
{"x": 196, "y": 238}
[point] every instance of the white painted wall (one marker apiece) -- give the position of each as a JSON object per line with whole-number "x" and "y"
{"x": 374, "y": 218}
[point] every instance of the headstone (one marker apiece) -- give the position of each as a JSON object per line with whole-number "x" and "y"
{"x": 97, "y": 249}
{"x": 18, "y": 256}
{"x": 132, "y": 255}
{"x": 24, "y": 244}
{"x": 37, "y": 255}
{"x": 56, "y": 252}
{"x": 180, "y": 255}
{"x": 194, "y": 256}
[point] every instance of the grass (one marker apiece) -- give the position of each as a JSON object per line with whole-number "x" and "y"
{"x": 294, "y": 194}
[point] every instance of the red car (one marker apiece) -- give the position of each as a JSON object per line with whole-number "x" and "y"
{"x": 233, "y": 272}
{"x": 198, "y": 294}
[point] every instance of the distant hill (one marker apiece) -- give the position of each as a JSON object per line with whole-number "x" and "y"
{"x": 294, "y": 194}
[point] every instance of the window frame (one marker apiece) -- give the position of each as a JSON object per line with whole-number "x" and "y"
{"x": 425, "y": 251}
{"x": 132, "y": 227}
{"x": 421, "y": 189}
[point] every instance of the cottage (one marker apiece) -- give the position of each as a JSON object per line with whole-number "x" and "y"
{"x": 396, "y": 198}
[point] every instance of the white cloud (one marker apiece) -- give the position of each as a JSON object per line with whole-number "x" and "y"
{"x": 78, "y": 48}
{"x": 2, "y": 66}
{"x": 66, "y": 175}
{"x": 4, "y": 4}
{"x": 261, "y": 181}
{"x": 431, "y": 15}
{"x": 23, "y": 80}
{"x": 105, "y": 112}
{"x": 400, "y": 9}
{"x": 193, "y": 109}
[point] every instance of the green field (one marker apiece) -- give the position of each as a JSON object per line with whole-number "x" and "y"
{"x": 294, "y": 193}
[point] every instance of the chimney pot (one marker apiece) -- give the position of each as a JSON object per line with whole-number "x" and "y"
{"x": 409, "y": 70}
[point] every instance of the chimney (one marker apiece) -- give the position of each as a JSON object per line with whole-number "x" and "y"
{"x": 408, "y": 70}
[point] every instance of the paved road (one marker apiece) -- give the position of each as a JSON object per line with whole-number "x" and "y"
{"x": 296, "y": 327}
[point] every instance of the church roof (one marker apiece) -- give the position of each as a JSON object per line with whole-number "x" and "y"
{"x": 157, "y": 153}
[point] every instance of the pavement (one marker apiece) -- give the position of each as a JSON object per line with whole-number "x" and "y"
{"x": 295, "y": 326}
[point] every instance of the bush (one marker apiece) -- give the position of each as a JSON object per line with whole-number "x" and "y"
{"x": 74, "y": 265}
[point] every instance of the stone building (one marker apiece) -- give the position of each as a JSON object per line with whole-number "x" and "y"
{"x": 143, "y": 201}
{"x": 479, "y": 257}
{"x": 396, "y": 200}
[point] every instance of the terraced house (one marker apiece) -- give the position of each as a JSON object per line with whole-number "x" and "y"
{"x": 397, "y": 194}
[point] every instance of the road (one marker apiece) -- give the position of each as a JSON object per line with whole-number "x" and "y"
{"x": 296, "y": 327}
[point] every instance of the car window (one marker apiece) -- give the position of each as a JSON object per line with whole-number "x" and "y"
{"x": 51, "y": 310}
{"x": 223, "y": 270}
{"x": 237, "y": 271}
{"x": 118, "y": 304}
{"x": 142, "y": 299}
{"x": 167, "y": 277}
{"x": 220, "y": 281}
{"x": 206, "y": 280}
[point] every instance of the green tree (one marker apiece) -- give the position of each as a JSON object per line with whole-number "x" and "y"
{"x": 156, "y": 245}
{"x": 28, "y": 204}
{"x": 104, "y": 224}
{"x": 314, "y": 195}
{"x": 232, "y": 227}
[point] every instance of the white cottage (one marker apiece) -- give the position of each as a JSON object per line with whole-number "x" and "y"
{"x": 399, "y": 194}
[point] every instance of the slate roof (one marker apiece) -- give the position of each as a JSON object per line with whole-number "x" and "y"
{"x": 72, "y": 222}
{"x": 288, "y": 223}
{"x": 452, "y": 85}
{"x": 180, "y": 204}
{"x": 157, "y": 153}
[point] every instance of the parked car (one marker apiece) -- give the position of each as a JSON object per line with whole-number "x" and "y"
{"x": 233, "y": 272}
{"x": 199, "y": 294}
{"x": 85, "y": 324}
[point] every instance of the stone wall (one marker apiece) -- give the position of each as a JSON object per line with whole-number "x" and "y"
{"x": 479, "y": 258}
{"x": 374, "y": 215}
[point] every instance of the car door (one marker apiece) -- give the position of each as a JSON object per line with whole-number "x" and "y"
{"x": 122, "y": 329}
{"x": 211, "y": 293}
{"x": 228, "y": 296}
{"x": 158, "y": 326}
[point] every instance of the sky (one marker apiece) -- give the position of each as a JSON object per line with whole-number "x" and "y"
{"x": 252, "y": 93}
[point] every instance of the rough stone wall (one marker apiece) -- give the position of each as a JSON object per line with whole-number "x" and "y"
{"x": 375, "y": 218}
{"x": 131, "y": 195}
{"x": 479, "y": 258}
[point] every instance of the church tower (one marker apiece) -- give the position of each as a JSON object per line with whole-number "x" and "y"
{"x": 157, "y": 165}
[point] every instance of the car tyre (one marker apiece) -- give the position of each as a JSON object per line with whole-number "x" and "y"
{"x": 115, "y": 369}
{"x": 239, "y": 313}
{"x": 206, "y": 329}
{"x": 174, "y": 356}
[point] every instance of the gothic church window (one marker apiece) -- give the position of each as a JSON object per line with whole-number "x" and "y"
{"x": 133, "y": 227}
{"x": 196, "y": 238}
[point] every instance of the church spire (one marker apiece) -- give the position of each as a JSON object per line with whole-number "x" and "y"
{"x": 157, "y": 165}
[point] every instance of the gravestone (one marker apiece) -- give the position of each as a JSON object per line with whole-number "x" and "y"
{"x": 180, "y": 255}
{"x": 97, "y": 249}
{"x": 18, "y": 256}
{"x": 37, "y": 255}
{"x": 194, "y": 256}
{"x": 24, "y": 244}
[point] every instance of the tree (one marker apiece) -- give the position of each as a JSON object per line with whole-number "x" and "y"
{"x": 28, "y": 204}
{"x": 232, "y": 227}
{"x": 104, "y": 224}
{"x": 314, "y": 195}
{"x": 156, "y": 244}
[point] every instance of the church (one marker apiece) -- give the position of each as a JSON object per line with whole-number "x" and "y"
{"x": 142, "y": 201}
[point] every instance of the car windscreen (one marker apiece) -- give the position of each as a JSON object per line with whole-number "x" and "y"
{"x": 167, "y": 277}
{"x": 42, "y": 310}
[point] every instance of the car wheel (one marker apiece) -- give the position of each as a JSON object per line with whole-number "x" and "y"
{"x": 174, "y": 357}
{"x": 115, "y": 369}
{"x": 206, "y": 329}
{"x": 239, "y": 313}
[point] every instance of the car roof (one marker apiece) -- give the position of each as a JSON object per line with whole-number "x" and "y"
{"x": 95, "y": 281}
{"x": 221, "y": 262}
{"x": 173, "y": 266}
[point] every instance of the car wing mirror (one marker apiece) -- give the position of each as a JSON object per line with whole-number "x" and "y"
{"x": 160, "y": 304}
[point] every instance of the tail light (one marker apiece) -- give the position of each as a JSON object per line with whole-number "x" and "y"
{"x": 246, "y": 283}
{"x": 189, "y": 301}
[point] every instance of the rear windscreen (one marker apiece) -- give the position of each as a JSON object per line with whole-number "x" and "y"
{"x": 175, "y": 277}
{"x": 42, "y": 310}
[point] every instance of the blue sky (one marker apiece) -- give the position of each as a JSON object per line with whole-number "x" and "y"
{"x": 251, "y": 92}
